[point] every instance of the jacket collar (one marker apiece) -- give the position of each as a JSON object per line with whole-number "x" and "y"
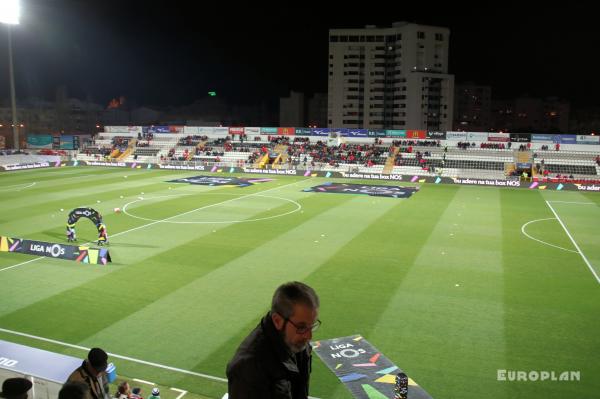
{"x": 284, "y": 355}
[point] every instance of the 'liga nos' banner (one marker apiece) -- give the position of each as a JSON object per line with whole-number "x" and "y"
{"x": 81, "y": 254}
{"x": 365, "y": 371}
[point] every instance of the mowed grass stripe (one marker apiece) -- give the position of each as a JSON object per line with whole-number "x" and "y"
{"x": 357, "y": 283}
{"x": 134, "y": 244}
{"x": 179, "y": 260}
{"x": 551, "y": 302}
{"x": 582, "y": 221}
{"x": 46, "y": 210}
{"x": 429, "y": 323}
{"x": 87, "y": 192}
{"x": 227, "y": 299}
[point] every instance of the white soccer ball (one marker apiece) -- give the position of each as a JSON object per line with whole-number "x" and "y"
{"x": 117, "y": 210}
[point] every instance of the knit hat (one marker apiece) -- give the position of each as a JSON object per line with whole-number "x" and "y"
{"x": 98, "y": 359}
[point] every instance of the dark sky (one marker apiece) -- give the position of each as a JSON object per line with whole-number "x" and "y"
{"x": 172, "y": 52}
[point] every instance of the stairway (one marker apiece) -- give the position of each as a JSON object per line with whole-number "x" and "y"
{"x": 282, "y": 156}
{"x": 389, "y": 162}
{"x": 261, "y": 161}
{"x": 509, "y": 167}
{"x": 523, "y": 156}
{"x": 130, "y": 149}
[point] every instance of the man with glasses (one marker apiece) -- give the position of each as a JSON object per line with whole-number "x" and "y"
{"x": 274, "y": 361}
{"x": 92, "y": 372}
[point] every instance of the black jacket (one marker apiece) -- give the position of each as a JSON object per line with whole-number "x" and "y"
{"x": 264, "y": 368}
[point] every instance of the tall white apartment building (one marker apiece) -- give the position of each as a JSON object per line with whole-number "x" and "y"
{"x": 390, "y": 78}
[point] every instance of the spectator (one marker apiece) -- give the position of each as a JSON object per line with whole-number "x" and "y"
{"x": 136, "y": 393}
{"x": 74, "y": 390}
{"x": 15, "y": 388}
{"x": 155, "y": 394}
{"x": 274, "y": 361}
{"x": 92, "y": 372}
{"x": 123, "y": 391}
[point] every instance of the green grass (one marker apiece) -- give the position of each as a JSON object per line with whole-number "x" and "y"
{"x": 444, "y": 283}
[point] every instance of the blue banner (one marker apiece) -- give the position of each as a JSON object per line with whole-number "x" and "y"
{"x": 565, "y": 138}
{"x": 268, "y": 130}
{"x": 356, "y": 133}
{"x": 302, "y": 131}
{"x": 376, "y": 133}
{"x": 320, "y": 132}
{"x": 542, "y": 138}
{"x": 339, "y": 131}
{"x": 158, "y": 129}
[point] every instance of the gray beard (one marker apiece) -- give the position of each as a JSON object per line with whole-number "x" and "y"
{"x": 295, "y": 349}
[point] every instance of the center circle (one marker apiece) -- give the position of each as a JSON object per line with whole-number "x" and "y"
{"x": 166, "y": 220}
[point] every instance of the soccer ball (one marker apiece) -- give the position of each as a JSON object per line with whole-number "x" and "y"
{"x": 117, "y": 210}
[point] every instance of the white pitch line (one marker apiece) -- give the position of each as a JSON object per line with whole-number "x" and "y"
{"x": 7, "y": 188}
{"x": 587, "y": 262}
{"x": 182, "y": 392}
{"x": 543, "y": 242}
{"x": 165, "y": 219}
{"x": 144, "y": 381}
{"x": 574, "y": 202}
{"x": 22, "y": 263}
{"x": 131, "y": 359}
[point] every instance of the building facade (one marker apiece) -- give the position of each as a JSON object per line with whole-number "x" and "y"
{"x": 472, "y": 107}
{"x": 528, "y": 115}
{"x": 390, "y": 78}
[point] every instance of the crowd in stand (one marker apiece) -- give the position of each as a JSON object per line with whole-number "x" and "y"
{"x": 120, "y": 143}
{"x": 364, "y": 154}
{"x": 413, "y": 143}
{"x": 145, "y": 136}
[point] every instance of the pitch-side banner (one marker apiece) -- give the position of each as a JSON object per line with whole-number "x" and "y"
{"x": 81, "y": 254}
{"x": 365, "y": 371}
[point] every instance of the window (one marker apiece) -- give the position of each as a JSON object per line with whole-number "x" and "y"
{"x": 370, "y": 38}
{"x": 333, "y": 39}
{"x": 420, "y": 35}
{"x": 353, "y": 39}
{"x": 330, "y": 56}
{"x": 379, "y": 38}
{"x": 439, "y": 37}
{"x": 343, "y": 38}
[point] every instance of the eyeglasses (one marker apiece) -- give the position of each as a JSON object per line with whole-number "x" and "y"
{"x": 305, "y": 329}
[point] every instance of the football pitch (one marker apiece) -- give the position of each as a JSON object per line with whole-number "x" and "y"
{"x": 454, "y": 284}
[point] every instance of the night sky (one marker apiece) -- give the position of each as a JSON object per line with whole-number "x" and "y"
{"x": 154, "y": 53}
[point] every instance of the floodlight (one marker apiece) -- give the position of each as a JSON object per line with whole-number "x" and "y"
{"x": 10, "y": 12}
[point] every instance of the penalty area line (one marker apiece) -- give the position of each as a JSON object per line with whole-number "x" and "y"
{"x": 585, "y": 259}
